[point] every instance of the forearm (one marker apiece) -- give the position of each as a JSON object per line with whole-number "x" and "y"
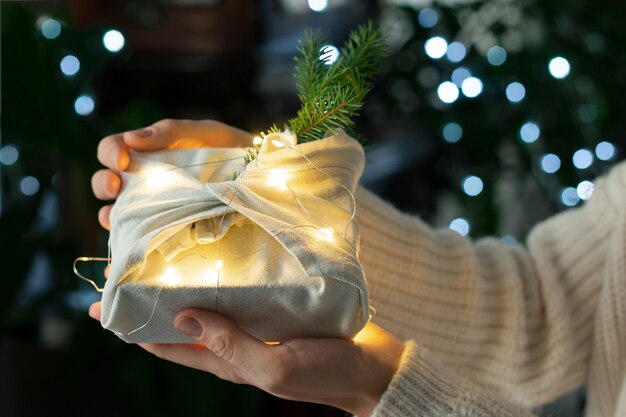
{"x": 515, "y": 320}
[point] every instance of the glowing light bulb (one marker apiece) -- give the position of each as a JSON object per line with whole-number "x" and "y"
{"x": 278, "y": 179}
{"x": 170, "y": 277}
{"x": 219, "y": 264}
{"x": 157, "y": 178}
{"x": 257, "y": 140}
{"x": 326, "y": 233}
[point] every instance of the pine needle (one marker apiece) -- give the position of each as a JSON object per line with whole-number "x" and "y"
{"x": 332, "y": 94}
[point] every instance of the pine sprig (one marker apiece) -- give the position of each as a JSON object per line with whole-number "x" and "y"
{"x": 332, "y": 95}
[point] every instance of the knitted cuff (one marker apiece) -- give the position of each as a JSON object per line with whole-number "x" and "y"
{"x": 420, "y": 388}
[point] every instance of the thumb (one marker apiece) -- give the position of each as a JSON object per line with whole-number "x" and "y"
{"x": 222, "y": 337}
{"x": 181, "y": 134}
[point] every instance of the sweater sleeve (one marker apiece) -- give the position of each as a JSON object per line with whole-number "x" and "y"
{"x": 515, "y": 321}
{"x": 422, "y": 388}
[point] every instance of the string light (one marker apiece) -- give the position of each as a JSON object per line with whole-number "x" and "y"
{"x": 219, "y": 264}
{"x": 326, "y": 233}
{"x": 472, "y": 185}
{"x": 158, "y": 178}
{"x": 569, "y": 196}
{"x": 257, "y": 141}
{"x": 170, "y": 277}
{"x": 278, "y": 179}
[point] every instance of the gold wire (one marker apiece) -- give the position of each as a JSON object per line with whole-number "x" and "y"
{"x": 88, "y": 259}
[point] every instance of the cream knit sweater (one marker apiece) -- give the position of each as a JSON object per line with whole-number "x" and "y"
{"x": 496, "y": 329}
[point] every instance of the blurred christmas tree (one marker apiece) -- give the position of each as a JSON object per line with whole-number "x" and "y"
{"x": 522, "y": 100}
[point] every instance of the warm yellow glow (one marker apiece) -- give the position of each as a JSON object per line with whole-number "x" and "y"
{"x": 326, "y": 233}
{"x": 157, "y": 178}
{"x": 219, "y": 264}
{"x": 278, "y": 179}
{"x": 278, "y": 143}
{"x": 257, "y": 140}
{"x": 212, "y": 276}
{"x": 170, "y": 277}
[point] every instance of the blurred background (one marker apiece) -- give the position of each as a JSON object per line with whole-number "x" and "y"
{"x": 487, "y": 117}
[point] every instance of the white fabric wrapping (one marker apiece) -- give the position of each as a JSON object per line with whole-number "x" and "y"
{"x": 283, "y": 230}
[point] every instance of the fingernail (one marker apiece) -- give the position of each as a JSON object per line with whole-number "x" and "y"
{"x": 122, "y": 161}
{"x": 190, "y": 327}
{"x": 144, "y": 133}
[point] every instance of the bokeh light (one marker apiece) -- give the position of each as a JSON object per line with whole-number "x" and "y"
{"x": 436, "y": 47}
{"x": 84, "y": 105}
{"x": 113, "y": 40}
{"x": 50, "y": 28}
{"x": 456, "y": 52}
{"x": 550, "y": 163}
{"x": 569, "y": 196}
{"x": 585, "y": 190}
{"x": 318, "y": 5}
{"x": 529, "y": 132}
{"x": 515, "y": 92}
{"x": 460, "y": 225}
{"x": 559, "y": 67}
{"x": 70, "y": 65}
{"x": 583, "y": 158}
{"x": 459, "y": 75}
{"x": 472, "y": 87}
{"x": 496, "y": 55}
{"x": 605, "y": 151}
{"x": 472, "y": 185}
{"x": 9, "y": 155}
{"x": 329, "y": 54}
{"x": 427, "y": 18}
{"x": 452, "y": 132}
{"x": 448, "y": 92}
{"x": 29, "y": 185}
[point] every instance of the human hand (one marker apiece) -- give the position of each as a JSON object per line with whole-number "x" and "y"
{"x": 348, "y": 374}
{"x": 165, "y": 134}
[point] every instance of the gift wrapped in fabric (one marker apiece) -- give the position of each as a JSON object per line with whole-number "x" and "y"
{"x": 272, "y": 245}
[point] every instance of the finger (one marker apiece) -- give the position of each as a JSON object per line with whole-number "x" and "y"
{"x": 179, "y": 134}
{"x": 105, "y": 184}
{"x": 95, "y": 310}
{"x": 104, "y": 216}
{"x": 113, "y": 153}
{"x": 107, "y": 271}
{"x": 225, "y": 340}
{"x": 197, "y": 356}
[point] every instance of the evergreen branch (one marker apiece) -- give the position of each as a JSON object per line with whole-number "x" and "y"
{"x": 332, "y": 94}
